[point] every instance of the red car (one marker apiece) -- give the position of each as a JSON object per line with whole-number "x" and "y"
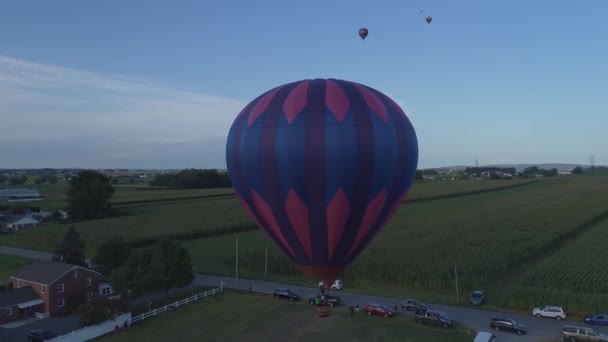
{"x": 379, "y": 310}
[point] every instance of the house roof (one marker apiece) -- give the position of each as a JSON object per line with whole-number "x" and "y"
{"x": 45, "y": 271}
{"x": 17, "y": 296}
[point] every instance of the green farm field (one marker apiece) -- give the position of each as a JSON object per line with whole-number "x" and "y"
{"x": 242, "y": 317}
{"x": 575, "y": 276}
{"x": 143, "y": 218}
{"x": 485, "y": 235}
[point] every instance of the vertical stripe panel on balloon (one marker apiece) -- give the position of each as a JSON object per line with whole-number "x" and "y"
{"x": 315, "y": 170}
{"x": 270, "y": 173}
{"x": 363, "y": 172}
{"x": 340, "y": 161}
{"x": 399, "y": 183}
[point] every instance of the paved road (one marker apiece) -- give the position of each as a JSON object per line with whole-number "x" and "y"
{"x": 60, "y": 325}
{"x": 540, "y": 329}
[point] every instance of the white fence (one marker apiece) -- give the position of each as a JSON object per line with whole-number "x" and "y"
{"x": 90, "y": 332}
{"x": 169, "y": 307}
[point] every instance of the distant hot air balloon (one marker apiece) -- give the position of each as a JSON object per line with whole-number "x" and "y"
{"x": 428, "y": 20}
{"x": 321, "y": 166}
{"x": 363, "y": 33}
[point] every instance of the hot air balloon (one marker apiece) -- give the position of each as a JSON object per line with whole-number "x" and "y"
{"x": 428, "y": 20}
{"x": 363, "y": 33}
{"x": 321, "y": 166}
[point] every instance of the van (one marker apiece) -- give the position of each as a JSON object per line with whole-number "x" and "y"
{"x": 484, "y": 336}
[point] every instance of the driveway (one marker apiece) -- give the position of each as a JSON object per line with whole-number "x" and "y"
{"x": 60, "y": 325}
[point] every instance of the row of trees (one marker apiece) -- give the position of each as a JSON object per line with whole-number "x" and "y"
{"x": 193, "y": 179}
{"x": 13, "y": 180}
{"x": 131, "y": 272}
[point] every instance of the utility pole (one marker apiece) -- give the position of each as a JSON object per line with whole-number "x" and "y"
{"x": 592, "y": 163}
{"x": 266, "y": 262}
{"x": 236, "y": 264}
{"x": 476, "y": 163}
{"x": 457, "y": 291}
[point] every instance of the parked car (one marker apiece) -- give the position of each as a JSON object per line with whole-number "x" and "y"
{"x": 337, "y": 285}
{"x": 40, "y": 335}
{"x": 550, "y": 311}
{"x": 502, "y": 323}
{"x": 477, "y": 297}
{"x": 331, "y": 300}
{"x": 484, "y": 336}
{"x": 412, "y": 304}
{"x": 575, "y": 333}
{"x": 287, "y": 294}
{"x": 435, "y": 318}
{"x": 600, "y": 319}
{"x": 378, "y": 310}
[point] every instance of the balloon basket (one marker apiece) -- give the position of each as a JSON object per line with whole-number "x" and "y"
{"x": 323, "y": 311}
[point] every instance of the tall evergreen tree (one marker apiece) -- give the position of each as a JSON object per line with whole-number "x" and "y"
{"x": 71, "y": 249}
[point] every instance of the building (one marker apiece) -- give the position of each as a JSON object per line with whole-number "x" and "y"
{"x": 15, "y": 194}
{"x": 58, "y": 287}
{"x": 13, "y": 223}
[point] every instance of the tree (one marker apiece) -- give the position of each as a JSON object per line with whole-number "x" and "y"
{"x": 3, "y": 179}
{"x": 112, "y": 254}
{"x": 134, "y": 275}
{"x": 71, "y": 249}
{"x": 577, "y": 170}
{"x": 171, "y": 264}
{"x": 419, "y": 175}
{"x": 89, "y": 195}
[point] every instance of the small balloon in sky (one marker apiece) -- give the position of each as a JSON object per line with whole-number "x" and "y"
{"x": 363, "y": 33}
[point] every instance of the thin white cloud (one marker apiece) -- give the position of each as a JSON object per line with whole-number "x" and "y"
{"x": 41, "y": 101}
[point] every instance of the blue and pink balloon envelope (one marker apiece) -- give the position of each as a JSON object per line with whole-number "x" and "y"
{"x": 321, "y": 165}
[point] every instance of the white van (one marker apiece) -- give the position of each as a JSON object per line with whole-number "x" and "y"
{"x": 483, "y": 336}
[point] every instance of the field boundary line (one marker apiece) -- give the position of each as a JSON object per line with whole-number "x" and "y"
{"x": 467, "y": 193}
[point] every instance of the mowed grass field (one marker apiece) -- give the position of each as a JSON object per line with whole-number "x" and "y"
{"x": 575, "y": 276}
{"x": 151, "y": 213}
{"x": 9, "y": 264}
{"x": 485, "y": 235}
{"x": 242, "y": 317}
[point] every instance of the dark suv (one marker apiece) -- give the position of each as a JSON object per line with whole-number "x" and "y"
{"x": 39, "y": 335}
{"x": 435, "y": 318}
{"x": 331, "y": 300}
{"x": 411, "y": 304}
{"x": 285, "y": 293}
{"x": 502, "y": 323}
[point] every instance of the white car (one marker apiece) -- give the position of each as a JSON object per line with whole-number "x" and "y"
{"x": 337, "y": 285}
{"x": 550, "y": 311}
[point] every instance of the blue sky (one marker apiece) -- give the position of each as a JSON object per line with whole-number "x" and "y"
{"x": 158, "y": 83}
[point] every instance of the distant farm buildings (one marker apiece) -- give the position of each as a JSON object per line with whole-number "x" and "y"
{"x": 18, "y": 194}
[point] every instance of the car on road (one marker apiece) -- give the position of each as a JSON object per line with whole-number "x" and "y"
{"x": 477, "y": 298}
{"x": 503, "y": 323}
{"x": 573, "y": 333}
{"x": 40, "y": 335}
{"x": 378, "y": 310}
{"x": 337, "y": 285}
{"x": 484, "y": 336}
{"x": 599, "y": 319}
{"x": 287, "y": 294}
{"x": 331, "y": 300}
{"x": 412, "y": 304}
{"x": 550, "y": 311}
{"x": 434, "y": 317}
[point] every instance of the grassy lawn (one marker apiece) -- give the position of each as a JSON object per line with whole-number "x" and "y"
{"x": 9, "y": 264}
{"x": 242, "y": 317}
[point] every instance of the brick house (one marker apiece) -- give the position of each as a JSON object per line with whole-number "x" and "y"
{"x": 19, "y": 304}
{"x": 59, "y": 285}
